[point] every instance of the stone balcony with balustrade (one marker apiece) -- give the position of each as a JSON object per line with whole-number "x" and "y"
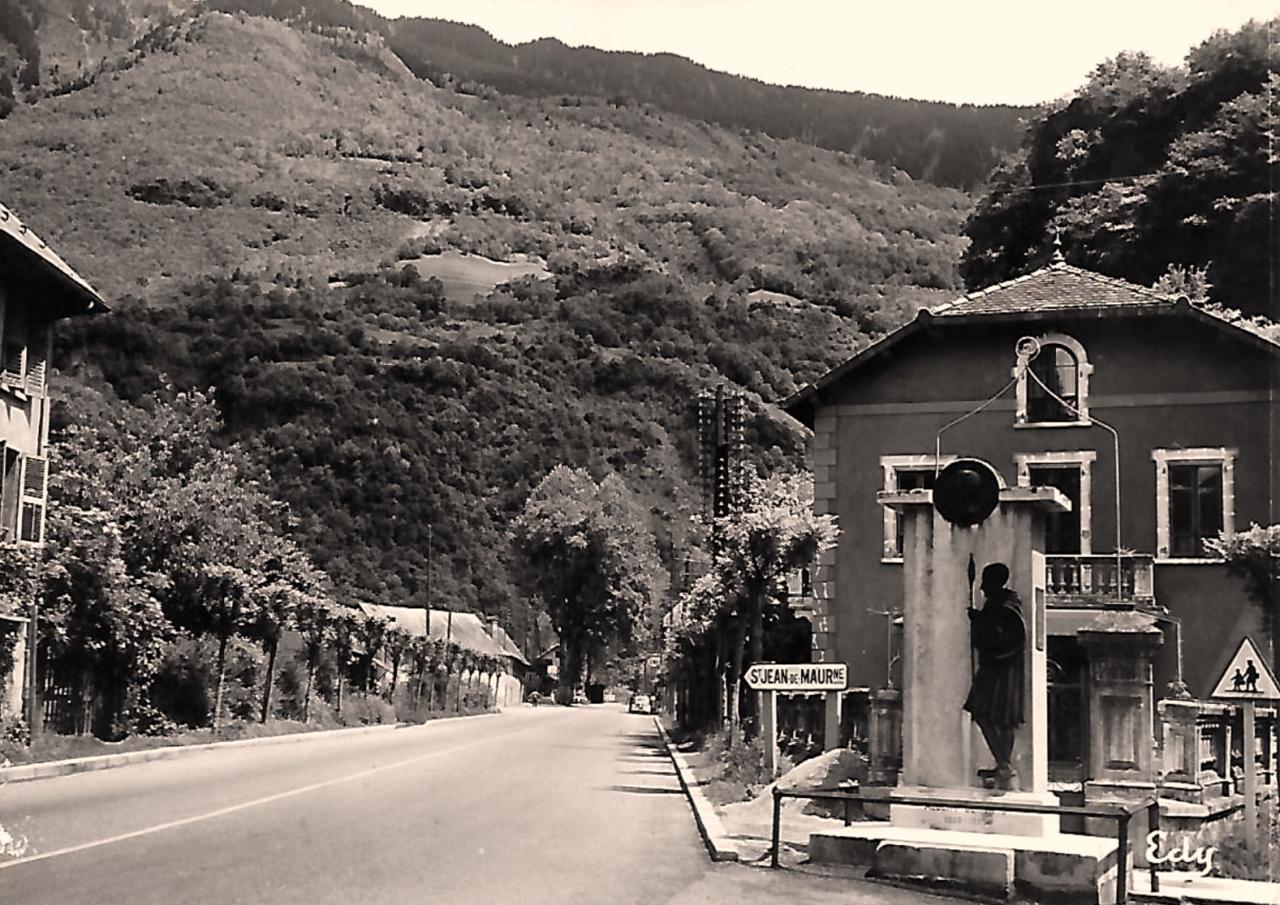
{"x": 1077, "y": 580}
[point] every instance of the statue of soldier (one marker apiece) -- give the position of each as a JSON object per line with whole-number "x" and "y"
{"x": 998, "y": 634}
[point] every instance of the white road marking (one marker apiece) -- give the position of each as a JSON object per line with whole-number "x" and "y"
{"x": 244, "y": 805}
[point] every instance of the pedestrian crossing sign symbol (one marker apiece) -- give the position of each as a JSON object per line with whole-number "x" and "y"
{"x": 1247, "y": 676}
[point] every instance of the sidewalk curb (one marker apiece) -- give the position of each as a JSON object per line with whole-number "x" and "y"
{"x": 719, "y": 846}
{"x": 50, "y": 769}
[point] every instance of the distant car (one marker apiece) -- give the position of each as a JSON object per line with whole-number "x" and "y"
{"x": 580, "y": 697}
{"x": 610, "y": 697}
{"x": 640, "y": 703}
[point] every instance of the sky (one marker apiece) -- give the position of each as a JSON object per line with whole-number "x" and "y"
{"x": 963, "y": 51}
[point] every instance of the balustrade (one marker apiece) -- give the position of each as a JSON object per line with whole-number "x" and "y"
{"x": 1101, "y": 576}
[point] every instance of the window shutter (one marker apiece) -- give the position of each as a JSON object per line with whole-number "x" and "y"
{"x": 37, "y": 359}
{"x": 14, "y": 365}
{"x": 32, "y": 499}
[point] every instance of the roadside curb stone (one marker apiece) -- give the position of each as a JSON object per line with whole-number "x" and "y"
{"x": 49, "y": 769}
{"x": 719, "y": 846}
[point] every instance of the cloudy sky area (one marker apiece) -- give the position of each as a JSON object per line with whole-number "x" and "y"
{"x": 976, "y": 51}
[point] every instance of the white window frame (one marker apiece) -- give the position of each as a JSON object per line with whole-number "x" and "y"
{"x": 1200, "y": 455}
{"x": 891, "y": 465}
{"x": 1083, "y": 370}
{"x": 1082, "y": 458}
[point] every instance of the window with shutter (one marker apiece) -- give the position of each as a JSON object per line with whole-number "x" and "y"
{"x": 35, "y": 491}
{"x": 13, "y": 349}
{"x": 8, "y": 493}
{"x": 37, "y": 359}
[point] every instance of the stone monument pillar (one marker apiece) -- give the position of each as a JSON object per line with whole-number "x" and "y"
{"x": 939, "y": 828}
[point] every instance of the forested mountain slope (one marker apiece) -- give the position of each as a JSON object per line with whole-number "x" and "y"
{"x": 264, "y": 206}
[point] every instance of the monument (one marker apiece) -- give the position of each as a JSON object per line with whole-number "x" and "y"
{"x": 975, "y": 702}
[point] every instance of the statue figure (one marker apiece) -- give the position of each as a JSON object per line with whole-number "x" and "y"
{"x": 998, "y": 634}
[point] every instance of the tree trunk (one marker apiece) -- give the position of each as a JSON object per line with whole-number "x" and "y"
{"x": 306, "y": 701}
{"x": 222, "y": 670}
{"x": 342, "y": 676}
{"x": 720, "y": 670}
{"x": 755, "y": 605}
{"x": 570, "y": 668}
{"x": 272, "y": 646}
{"x": 736, "y": 644}
{"x": 395, "y": 677}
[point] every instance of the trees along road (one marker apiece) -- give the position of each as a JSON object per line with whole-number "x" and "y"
{"x": 546, "y": 805}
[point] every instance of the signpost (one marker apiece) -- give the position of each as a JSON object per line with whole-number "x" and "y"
{"x": 1248, "y": 679}
{"x": 770, "y": 678}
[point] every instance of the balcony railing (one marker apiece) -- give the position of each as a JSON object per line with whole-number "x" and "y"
{"x": 1072, "y": 578}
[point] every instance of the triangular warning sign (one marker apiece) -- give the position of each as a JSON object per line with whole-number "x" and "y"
{"x": 1247, "y": 676}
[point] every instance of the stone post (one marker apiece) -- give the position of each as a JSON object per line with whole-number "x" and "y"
{"x": 1121, "y": 648}
{"x": 1180, "y": 767}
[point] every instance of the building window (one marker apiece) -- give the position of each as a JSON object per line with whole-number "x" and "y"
{"x": 24, "y": 495}
{"x": 13, "y": 347}
{"x": 1070, "y": 471}
{"x": 33, "y": 499}
{"x": 1195, "y": 507}
{"x": 1061, "y": 529}
{"x": 1054, "y": 389}
{"x": 1195, "y": 500}
{"x": 905, "y": 473}
{"x": 24, "y": 350}
{"x": 9, "y": 463}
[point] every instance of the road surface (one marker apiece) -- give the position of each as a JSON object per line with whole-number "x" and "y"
{"x": 548, "y": 805}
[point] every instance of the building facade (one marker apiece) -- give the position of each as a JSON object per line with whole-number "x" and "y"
{"x": 1157, "y": 418}
{"x": 37, "y": 289}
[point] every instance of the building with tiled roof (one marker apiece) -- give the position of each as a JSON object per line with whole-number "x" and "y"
{"x": 1057, "y": 290}
{"x": 37, "y": 289}
{"x": 1159, "y": 420}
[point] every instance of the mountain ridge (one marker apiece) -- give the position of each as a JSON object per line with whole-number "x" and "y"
{"x": 56, "y": 45}
{"x": 952, "y": 144}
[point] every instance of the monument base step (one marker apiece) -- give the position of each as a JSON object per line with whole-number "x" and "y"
{"x": 1058, "y": 867}
{"x": 974, "y": 820}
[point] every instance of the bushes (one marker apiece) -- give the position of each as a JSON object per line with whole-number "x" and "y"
{"x": 201, "y": 192}
{"x": 742, "y": 771}
{"x": 366, "y": 710}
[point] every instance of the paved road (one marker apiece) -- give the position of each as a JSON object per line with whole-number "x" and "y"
{"x": 548, "y": 805}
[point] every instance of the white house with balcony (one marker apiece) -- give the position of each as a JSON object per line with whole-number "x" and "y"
{"x": 37, "y": 289}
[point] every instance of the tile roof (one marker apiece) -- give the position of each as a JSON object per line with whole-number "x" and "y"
{"x": 465, "y": 629}
{"x": 1063, "y": 287}
{"x": 1058, "y": 287}
{"x": 509, "y": 647}
{"x": 14, "y": 230}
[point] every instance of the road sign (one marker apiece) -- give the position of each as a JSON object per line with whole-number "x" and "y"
{"x": 1247, "y": 677}
{"x": 798, "y": 676}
